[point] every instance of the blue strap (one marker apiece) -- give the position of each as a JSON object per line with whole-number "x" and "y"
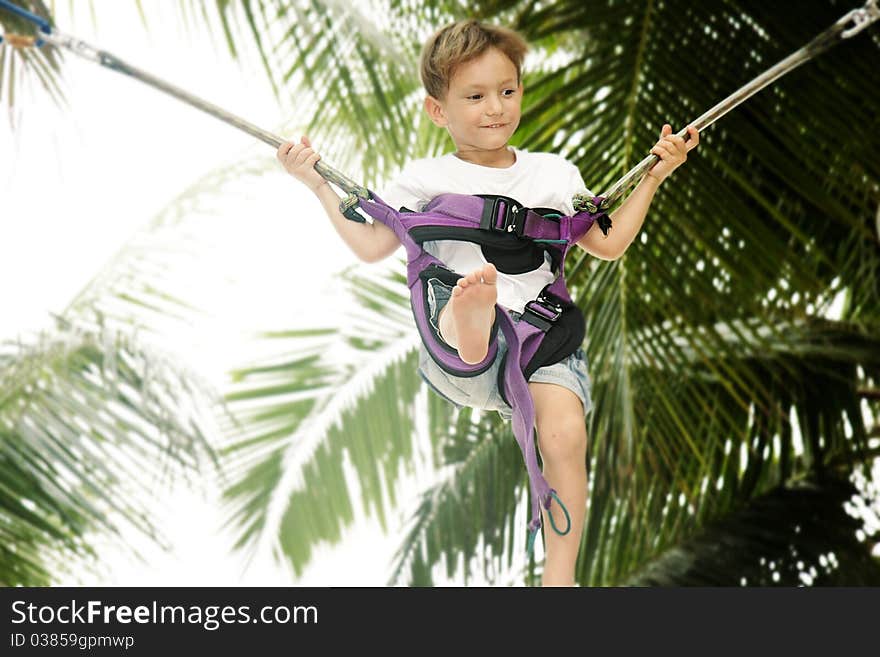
{"x": 530, "y": 545}
{"x": 39, "y": 21}
{"x": 564, "y": 510}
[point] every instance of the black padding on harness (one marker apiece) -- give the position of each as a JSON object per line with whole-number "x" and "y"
{"x": 509, "y": 254}
{"x": 563, "y": 338}
{"x": 519, "y": 257}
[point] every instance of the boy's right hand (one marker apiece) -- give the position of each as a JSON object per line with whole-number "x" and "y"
{"x": 299, "y": 161}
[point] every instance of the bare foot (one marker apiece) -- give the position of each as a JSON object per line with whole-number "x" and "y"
{"x": 473, "y": 311}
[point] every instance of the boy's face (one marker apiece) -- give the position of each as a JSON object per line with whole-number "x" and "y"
{"x": 483, "y": 105}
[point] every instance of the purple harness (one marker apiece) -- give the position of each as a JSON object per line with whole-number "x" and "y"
{"x": 551, "y": 326}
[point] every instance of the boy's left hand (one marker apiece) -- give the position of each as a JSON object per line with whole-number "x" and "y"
{"x": 672, "y": 151}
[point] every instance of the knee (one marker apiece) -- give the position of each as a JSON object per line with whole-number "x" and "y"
{"x": 563, "y": 439}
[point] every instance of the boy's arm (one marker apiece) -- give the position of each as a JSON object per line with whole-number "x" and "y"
{"x": 369, "y": 241}
{"x": 628, "y": 218}
{"x": 626, "y": 222}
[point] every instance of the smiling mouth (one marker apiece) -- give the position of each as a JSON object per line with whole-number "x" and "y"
{"x": 494, "y": 125}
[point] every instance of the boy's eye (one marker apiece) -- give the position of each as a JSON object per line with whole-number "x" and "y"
{"x": 475, "y": 97}
{"x": 510, "y": 92}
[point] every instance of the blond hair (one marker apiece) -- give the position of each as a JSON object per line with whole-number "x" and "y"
{"x": 460, "y": 42}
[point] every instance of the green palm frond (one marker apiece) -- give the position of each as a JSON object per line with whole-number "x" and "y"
{"x": 471, "y": 512}
{"x": 94, "y": 398}
{"x": 703, "y": 444}
{"x": 335, "y": 395}
{"x": 791, "y": 536}
{"x": 341, "y": 49}
{"x": 702, "y": 447}
{"x": 91, "y": 423}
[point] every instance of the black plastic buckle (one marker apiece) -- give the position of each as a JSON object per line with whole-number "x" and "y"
{"x": 542, "y": 312}
{"x": 514, "y": 215}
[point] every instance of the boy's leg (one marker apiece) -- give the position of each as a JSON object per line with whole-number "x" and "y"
{"x": 466, "y": 321}
{"x": 562, "y": 440}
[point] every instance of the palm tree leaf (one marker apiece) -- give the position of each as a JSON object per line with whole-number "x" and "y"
{"x": 301, "y": 416}
{"x": 791, "y": 536}
{"x": 90, "y": 423}
{"x": 470, "y": 514}
{"x": 744, "y": 449}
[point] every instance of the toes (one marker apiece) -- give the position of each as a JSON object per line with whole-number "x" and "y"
{"x": 490, "y": 274}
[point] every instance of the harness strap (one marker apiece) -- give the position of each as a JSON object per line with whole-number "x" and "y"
{"x": 523, "y": 423}
{"x": 502, "y": 214}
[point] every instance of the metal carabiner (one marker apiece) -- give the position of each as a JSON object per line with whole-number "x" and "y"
{"x": 76, "y": 46}
{"x": 861, "y": 18}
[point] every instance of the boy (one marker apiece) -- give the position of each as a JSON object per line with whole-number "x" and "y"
{"x": 472, "y": 75}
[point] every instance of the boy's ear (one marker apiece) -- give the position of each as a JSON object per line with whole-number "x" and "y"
{"x": 435, "y": 111}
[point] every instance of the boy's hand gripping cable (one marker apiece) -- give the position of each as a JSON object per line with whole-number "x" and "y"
{"x": 47, "y": 34}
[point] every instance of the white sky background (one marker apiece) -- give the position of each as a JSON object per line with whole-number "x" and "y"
{"x": 77, "y": 182}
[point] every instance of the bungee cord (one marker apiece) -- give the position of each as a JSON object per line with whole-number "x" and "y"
{"x": 849, "y": 25}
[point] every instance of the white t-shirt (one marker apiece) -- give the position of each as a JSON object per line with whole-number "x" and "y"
{"x": 537, "y": 180}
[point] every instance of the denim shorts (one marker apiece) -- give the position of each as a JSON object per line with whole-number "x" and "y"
{"x": 481, "y": 391}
